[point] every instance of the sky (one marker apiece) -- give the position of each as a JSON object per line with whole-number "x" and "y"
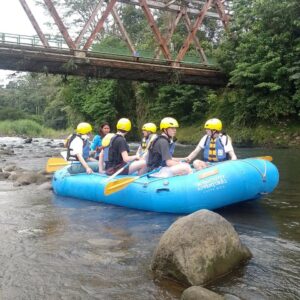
{"x": 13, "y": 19}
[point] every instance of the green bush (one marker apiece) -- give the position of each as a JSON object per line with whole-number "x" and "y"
{"x": 10, "y": 113}
{"x": 28, "y": 128}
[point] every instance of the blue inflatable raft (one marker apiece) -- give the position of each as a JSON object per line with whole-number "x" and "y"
{"x": 214, "y": 187}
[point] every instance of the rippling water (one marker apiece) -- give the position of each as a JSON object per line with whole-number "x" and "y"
{"x": 58, "y": 248}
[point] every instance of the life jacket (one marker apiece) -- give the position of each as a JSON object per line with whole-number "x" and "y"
{"x": 146, "y": 143}
{"x": 172, "y": 146}
{"x": 214, "y": 150}
{"x": 111, "y": 156}
{"x": 66, "y": 141}
{"x": 85, "y": 149}
{"x": 155, "y": 159}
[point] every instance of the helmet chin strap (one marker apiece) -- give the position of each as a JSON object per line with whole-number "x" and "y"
{"x": 85, "y": 136}
{"x": 213, "y": 133}
{"x": 166, "y": 133}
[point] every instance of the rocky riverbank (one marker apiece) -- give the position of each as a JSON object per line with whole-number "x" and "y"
{"x": 23, "y": 160}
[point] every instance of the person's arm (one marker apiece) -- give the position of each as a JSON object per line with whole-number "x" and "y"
{"x": 95, "y": 143}
{"x": 139, "y": 150}
{"x": 226, "y": 140}
{"x": 195, "y": 152}
{"x": 128, "y": 158}
{"x": 232, "y": 155}
{"x": 101, "y": 162}
{"x": 123, "y": 149}
{"x": 77, "y": 149}
{"x": 171, "y": 162}
{"x": 83, "y": 162}
{"x": 163, "y": 148}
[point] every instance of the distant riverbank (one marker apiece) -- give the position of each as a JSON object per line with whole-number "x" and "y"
{"x": 279, "y": 136}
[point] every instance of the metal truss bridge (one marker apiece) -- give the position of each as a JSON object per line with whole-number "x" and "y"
{"x": 80, "y": 56}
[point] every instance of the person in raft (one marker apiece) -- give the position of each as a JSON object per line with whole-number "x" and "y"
{"x": 216, "y": 146}
{"x": 162, "y": 149}
{"x": 96, "y": 145}
{"x": 115, "y": 155}
{"x": 149, "y": 135}
{"x": 78, "y": 149}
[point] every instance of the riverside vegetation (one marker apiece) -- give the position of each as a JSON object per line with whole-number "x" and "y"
{"x": 259, "y": 107}
{"x": 265, "y": 136}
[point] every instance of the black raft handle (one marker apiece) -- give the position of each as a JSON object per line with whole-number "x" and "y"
{"x": 162, "y": 190}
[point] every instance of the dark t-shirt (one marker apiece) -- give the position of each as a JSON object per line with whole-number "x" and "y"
{"x": 163, "y": 148}
{"x": 119, "y": 145}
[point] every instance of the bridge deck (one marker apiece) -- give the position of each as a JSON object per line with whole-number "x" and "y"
{"x": 73, "y": 62}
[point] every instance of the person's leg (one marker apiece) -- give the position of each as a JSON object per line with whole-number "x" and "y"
{"x": 181, "y": 169}
{"x": 164, "y": 172}
{"x": 77, "y": 168}
{"x": 139, "y": 166}
{"x": 199, "y": 164}
{"x": 94, "y": 165}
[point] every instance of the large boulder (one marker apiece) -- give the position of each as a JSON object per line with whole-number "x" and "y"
{"x": 198, "y": 248}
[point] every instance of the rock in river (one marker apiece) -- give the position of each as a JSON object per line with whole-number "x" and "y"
{"x": 198, "y": 248}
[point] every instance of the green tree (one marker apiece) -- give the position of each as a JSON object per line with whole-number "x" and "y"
{"x": 261, "y": 54}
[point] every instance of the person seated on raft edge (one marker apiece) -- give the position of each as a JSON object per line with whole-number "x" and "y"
{"x": 162, "y": 149}
{"x": 78, "y": 149}
{"x": 217, "y": 146}
{"x": 96, "y": 145}
{"x": 115, "y": 155}
{"x": 148, "y": 130}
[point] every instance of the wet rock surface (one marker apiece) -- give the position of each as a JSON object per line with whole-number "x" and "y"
{"x": 199, "y": 248}
{"x": 23, "y": 161}
{"x": 199, "y": 293}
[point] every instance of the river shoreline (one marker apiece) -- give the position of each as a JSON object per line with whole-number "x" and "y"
{"x": 279, "y": 136}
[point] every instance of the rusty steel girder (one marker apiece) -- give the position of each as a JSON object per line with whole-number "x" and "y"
{"x": 183, "y": 8}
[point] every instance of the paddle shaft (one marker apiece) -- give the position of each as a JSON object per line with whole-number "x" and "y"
{"x": 119, "y": 171}
{"x": 121, "y": 183}
{"x": 124, "y": 167}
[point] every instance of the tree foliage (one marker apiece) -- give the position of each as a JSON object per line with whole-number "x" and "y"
{"x": 261, "y": 54}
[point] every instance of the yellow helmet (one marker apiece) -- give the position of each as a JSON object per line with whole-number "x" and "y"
{"x": 124, "y": 124}
{"x": 213, "y": 124}
{"x": 149, "y": 127}
{"x": 84, "y": 128}
{"x": 166, "y": 123}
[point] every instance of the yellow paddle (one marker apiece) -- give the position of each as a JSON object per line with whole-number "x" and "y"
{"x": 55, "y": 163}
{"x": 269, "y": 158}
{"x": 119, "y": 184}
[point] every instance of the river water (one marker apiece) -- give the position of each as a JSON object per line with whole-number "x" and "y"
{"x": 59, "y": 248}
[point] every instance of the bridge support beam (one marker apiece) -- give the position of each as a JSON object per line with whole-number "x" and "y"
{"x": 67, "y": 62}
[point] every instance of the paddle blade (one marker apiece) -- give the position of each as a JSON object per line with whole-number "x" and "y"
{"x": 269, "y": 158}
{"x": 118, "y": 185}
{"x": 55, "y": 163}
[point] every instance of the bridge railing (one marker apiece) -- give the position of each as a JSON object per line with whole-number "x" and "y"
{"x": 148, "y": 55}
{"x": 34, "y": 41}
{"x": 107, "y": 51}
